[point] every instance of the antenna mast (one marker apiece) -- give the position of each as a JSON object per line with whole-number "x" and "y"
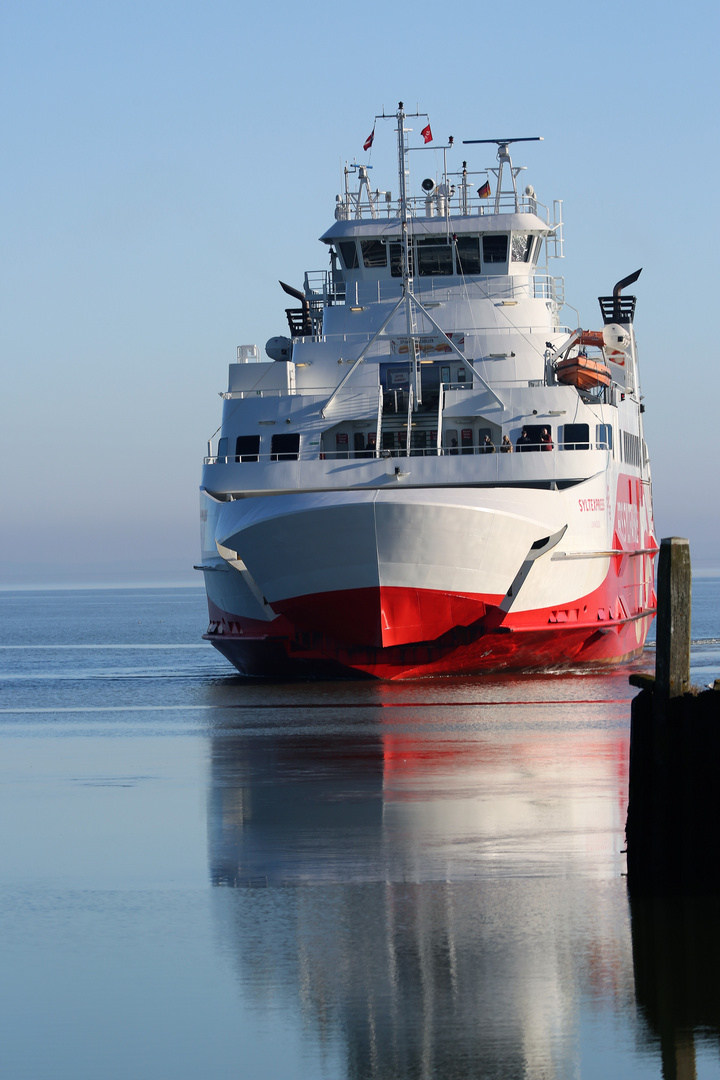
{"x": 503, "y": 156}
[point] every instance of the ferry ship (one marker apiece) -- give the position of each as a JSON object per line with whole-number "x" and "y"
{"x": 431, "y": 474}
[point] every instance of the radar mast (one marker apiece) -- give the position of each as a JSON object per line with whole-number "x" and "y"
{"x": 503, "y": 156}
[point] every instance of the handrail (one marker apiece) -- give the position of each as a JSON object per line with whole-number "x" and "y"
{"x": 543, "y": 286}
{"x": 479, "y": 449}
{"x": 441, "y": 407}
{"x": 417, "y": 207}
{"x": 408, "y": 437}
{"x": 304, "y": 391}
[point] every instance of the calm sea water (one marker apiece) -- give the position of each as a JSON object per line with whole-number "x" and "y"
{"x": 200, "y": 876}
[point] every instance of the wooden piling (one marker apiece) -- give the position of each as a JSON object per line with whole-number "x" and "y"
{"x": 673, "y": 822}
{"x": 672, "y": 657}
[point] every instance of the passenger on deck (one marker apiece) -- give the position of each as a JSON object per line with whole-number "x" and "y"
{"x": 524, "y": 443}
{"x": 545, "y": 440}
{"x": 506, "y": 445}
{"x": 488, "y": 446}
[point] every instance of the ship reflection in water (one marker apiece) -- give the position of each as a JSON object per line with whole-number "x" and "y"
{"x": 435, "y": 878}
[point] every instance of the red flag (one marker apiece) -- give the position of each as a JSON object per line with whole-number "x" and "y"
{"x": 426, "y": 134}
{"x": 369, "y": 141}
{"x": 484, "y": 191}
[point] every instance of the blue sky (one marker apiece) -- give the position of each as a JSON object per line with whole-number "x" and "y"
{"x": 164, "y": 164}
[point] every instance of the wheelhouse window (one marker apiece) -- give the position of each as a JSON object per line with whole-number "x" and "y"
{"x": 285, "y": 447}
{"x": 467, "y": 254}
{"x": 374, "y": 253}
{"x": 521, "y": 247}
{"x": 495, "y": 249}
{"x": 247, "y": 447}
{"x": 396, "y": 258}
{"x": 348, "y": 250}
{"x": 434, "y": 257}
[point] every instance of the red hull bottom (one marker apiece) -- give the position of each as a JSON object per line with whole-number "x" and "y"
{"x": 531, "y": 641}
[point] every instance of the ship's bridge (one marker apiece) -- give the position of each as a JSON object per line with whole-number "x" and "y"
{"x": 498, "y": 244}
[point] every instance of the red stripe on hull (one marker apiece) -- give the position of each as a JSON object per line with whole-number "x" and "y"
{"x": 384, "y": 616}
{"x": 593, "y": 630}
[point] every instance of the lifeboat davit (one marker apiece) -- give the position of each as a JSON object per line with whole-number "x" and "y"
{"x": 583, "y": 372}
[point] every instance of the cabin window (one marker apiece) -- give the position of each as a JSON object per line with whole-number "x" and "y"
{"x": 348, "y": 250}
{"x": 576, "y": 437}
{"x": 222, "y": 448}
{"x": 374, "y": 253}
{"x": 247, "y": 447}
{"x": 603, "y": 436}
{"x": 467, "y": 255}
{"x": 434, "y": 257}
{"x": 521, "y": 247}
{"x": 285, "y": 447}
{"x": 495, "y": 249}
{"x": 396, "y": 261}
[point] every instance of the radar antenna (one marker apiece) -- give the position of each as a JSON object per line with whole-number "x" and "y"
{"x": 503, "y": 155}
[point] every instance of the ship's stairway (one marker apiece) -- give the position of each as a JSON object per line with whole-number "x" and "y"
{"x": 423, "y": 429}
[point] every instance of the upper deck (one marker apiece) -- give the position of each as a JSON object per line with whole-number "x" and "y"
{"x": 438, "y": 210}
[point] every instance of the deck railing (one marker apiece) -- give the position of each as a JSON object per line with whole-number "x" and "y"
{"x": 400, "y": 452}
{"x": 322, "y": 287}
{"x": 417, "y": 206}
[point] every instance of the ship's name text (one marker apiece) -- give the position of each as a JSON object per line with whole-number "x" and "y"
{"x": 591, "y": 504}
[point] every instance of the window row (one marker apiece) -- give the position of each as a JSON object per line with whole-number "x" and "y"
{"x": 436, "y": 256}
{"x": 286, "y": 446}
{"x": 283, "y": 447}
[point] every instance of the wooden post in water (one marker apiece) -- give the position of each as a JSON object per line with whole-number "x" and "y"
{"x": 673, "y": 822}
{"x": 672, "y": 658}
